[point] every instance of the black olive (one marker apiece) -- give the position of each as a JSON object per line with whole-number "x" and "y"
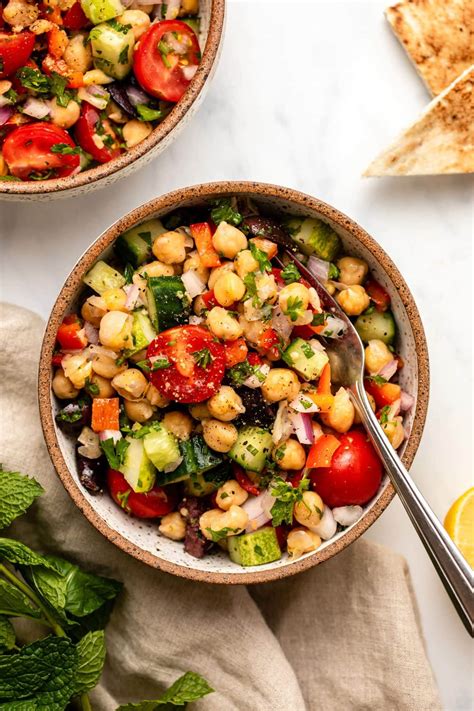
{"x": 92, "y": 473}
{"x": 267, "y": 228}
{"x": 74, "y": 416}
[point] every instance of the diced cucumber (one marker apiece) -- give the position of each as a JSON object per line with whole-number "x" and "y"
{"x": 168, "y": 304}
{"x": 307, "y": 361}
{"x": 102, "y": 277}
{"x": 112, "y": 48}
{"x": 101, "y": 10}
{"x": 255, "y": 548}
{"x": 252, "y": 448}
{"x": 197, "y": 457}
{"x": 161, "y": 447}
{"x": 203, "y": 484}
{"x": 137, "y": 468}
{"x": 134, "y": 245}
{"x": 314, "y": 237}
{"x": 377, "y": 325}
{"x": 142, "y": 332}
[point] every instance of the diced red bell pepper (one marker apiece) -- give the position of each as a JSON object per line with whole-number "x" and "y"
{"x": 105, "y": 413}
{"x": 209, "y": 299}
{"x": 378, "y": 294}
{"x": 323, "y": 397}
{"x": 268, "y": 339}
{"x": 278, "y": 278}
{"x": 202, "y": 235}
{"x": 384, "y": 394}
{"x": 71, "y": 335}
{"x": 235, "y": 352}
{"x": 254, "y": 359}
{"x": 57, "y": 359}
{"x": 244, "y": 480}
{"x": 74, "y": 18}
{"x": 321, "y": 452}
{"x": 57, "y": 42}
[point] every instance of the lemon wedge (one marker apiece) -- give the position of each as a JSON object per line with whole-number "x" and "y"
{"x": 459, "y": 523}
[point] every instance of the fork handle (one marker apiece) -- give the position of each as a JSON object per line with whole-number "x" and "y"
{"x": 454, "y": 571}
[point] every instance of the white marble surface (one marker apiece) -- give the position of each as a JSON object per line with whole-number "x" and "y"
{"x": 305, "y": 95}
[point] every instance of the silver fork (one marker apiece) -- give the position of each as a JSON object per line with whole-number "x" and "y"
{"x": 347, "y": 359}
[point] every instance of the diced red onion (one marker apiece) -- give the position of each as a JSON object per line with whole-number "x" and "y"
{"x": 133, "y": 292}
{"x": 256, "y": 380}
{"x": 388, "y": 370}
{"x": 302, "y": 427}
{"x": 189, "y": 71}
{"x": 36, "y": 108}
{"x": 91, "y": 332}
{"x": 90, "y": 444}
{"x": 303, "y": 403}
{"x": 314, "y": 299}
{"x": 316, "y": 345}
{"x": 177, "y": 46}
{"x": 319, "y": 268}
{"x": 394, "y": 409}
{"x": 5, "y": 113}
{"x": 258, "y": 509}
{"x": 193, "y": 283}
{"x": 116, "y": 435}
{"x": 136, "y": 95}
{"x": 347, "y": 515}
{"x": 96, "y": 350}
{"x": 95, "y": 95}
{"x": 334, "y": 327}
{"x": 172, "y": 9}
{"x": 282, "y": 427}
{"x": 406, "y": 401}
{"x": 327, "y": 527}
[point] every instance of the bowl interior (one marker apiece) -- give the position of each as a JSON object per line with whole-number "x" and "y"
{"x": 141, "y": 538}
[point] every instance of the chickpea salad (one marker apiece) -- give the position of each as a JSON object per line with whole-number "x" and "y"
{"x": 82, "y": 81}
{"x": 196, "y": 382}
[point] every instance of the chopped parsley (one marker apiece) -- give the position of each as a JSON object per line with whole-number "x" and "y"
{"x": 123, "y": 56}
{"x": 251, "y": 286}
{"x": 286, "y": 497}
{"x": 164, "y": 50}
{"x": 11, "y": 95}
{"x": 240, "y": 372}
{"x": 307, "y": 350}
{"x": 333, "y": 272}
{"x": 158, "y": 364}
{"x": 115, "y": 451}
{"x": 58, "y": 89}
{"x": 377, "y": 379}
{"x": 33, "y": 79}
{"x": 261, "y": 257}
{"x": 319, "y": 319}
{"x": 383, "y": 415}
{"x": 119, "y": 27}
{"x": 223, "y": 211}
{"x": 65, "y": 150}
{"x": 217, "y": 536}
{"x": 294, "y": 308}
{"x": 128, "y": 273}
{"x": 91, "y": 388}
{"x": 203, "y": 358}
{"x": 146, "y": 113}
{"x": 290, "y": 273}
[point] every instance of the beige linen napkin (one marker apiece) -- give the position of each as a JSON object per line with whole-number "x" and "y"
{"x": 344, "y": 635}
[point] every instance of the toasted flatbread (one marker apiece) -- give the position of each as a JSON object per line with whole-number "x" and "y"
{"x": 438, "y": 36}
{"x": 440, "y": 141}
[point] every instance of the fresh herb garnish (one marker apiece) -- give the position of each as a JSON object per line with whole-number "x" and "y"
{"x": 158, "y": 364}
{"x": 333, "y": 272}
{"x": 115, "y": 451}
{"x": 294, "y": 308}
{"x": 319, "y": 319}
{"x": 377, "y": 379}
{"x": 383, "y": 415}
{"x": 128, "y": 273}
{"x": 203, "y": 358}
{"x": 286, "y": 497}
{"x": 65, "y": 150}
{"x": 164, "y": 50}
{"x": 58, "y": 89}
{"x": 123, "y": 56}
{"x": 290, "y": 273}
{"x": 251, "y": 286}
{"x": 224, "y": 212}
{"x": 119, "y": 27}
{"x": 11, "y": 95}
{"x": 217, "y": 536}
{"x": 146, "y": 113}
{"x": 33, "y": 79}
{"x": 307, "y": 350}
{"x": 240, "y": 372}
{"x": 91, "y": 388}
{"x": 261, "y": 257}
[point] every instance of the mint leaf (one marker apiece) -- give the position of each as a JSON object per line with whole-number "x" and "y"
{"x": 17, "y": 493}
{"x": 19, "y": 554}
{"x": 7, "y": 634}
{"x": 189, "y": 687}
{"x": 19, "y": 706}
{"x": 14, "y": 603}
{"x": 91, "y": 658}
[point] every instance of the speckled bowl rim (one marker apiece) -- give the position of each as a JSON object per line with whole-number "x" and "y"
{"x": 166, "y": 203}
{"x": 177, "y": 114}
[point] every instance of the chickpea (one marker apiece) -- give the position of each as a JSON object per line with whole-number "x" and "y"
{"x": 115, "y": 330}
{"x": 352, "y": 270}
{"x": 138, "y": 19}
{"x": 134, "y": 132}
{"x": 93, "y": 309}
{"x": 105, "y": 365}
{"x": 228, "y": 289}
{"x": 169, "y": 248}
{"x": 228, "y": 240}
{"x": 289, "y": 455}
{"x": 115, "y": 113}
{"x": 330, "y": 288}
{"x": 199, "y": 306}
{"x": 223, "y": 325}
{"x": 266, "y": 286}
{"x": 173, "y": 526}
{"x": 394, "y": 431}
{"x": 216, "y": 520}
{"x": 377, "y": 354}
{"x": 225, "y": 405}
{"x": 96, "y": 76}
{"x": 245, "y": 263}
{"x": 280, "y": 384}
{"x": 139, "y": 411}
{"x": 217, "y": 272}
{"x": 293, "y": 299}
{"x": 78, "y": 54}
{"x": 189, "y": 7}
{"x": 357, "y": 419}
{"x": 156, "y": 269}
{"x": 309, "y": 511}
{"x": 252, "y": 329}
{"x": 20, "y": 14}
{"x": 341, "y": 415}
{"x": 353, "y": 300}
{"x": 78, "y": 368}
{"x": 144, "y": 8}
{"x": 64, "y": 116}
{"x": 193, "y": 263}
{"x": 265, "y": 245}
{"x": 101, "y": 387}
{"x": 115, "y": 299}
{"x": 62, "y": 386}
{"x": 219, "y": 436}
{"x": 131, "y": 384}
{"x": 179, "y": 423}
{"x": 199, "y": 411}
{"x": 230, "y": 494}
{"x": 301, "y": 540}
{"x": 154, "y": 397}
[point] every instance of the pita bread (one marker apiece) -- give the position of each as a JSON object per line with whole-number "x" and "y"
{"x": 440, "y": 141}
{"x": 438, "y": 36}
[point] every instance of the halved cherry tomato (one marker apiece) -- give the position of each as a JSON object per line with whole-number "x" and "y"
{"x": 27, "y": 152}
{"x": 384, "y": 394}
{"x": 15, "y": 51}
{"x": 322, "y": 451}
{"x": 209, "y": 299}
{"x": 244, "y": 480}
{"x": 71, "y": 335}
{"x": 89, "y": 126}
{"x": 158, "y": 68}
{"x": 378, "y": 294}
{"x": 202, "y": 235}
{"x": 153, "y": 504}
{"x": 184, "y": 380}
{"x": 354, "y": 474}
{"x": 74, "y": 18}
{"x": 268, "y": 339}
{"x": 235, "y": 352}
